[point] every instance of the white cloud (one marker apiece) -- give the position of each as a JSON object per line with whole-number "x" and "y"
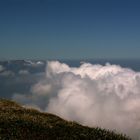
{"x": 33, "y": 63}
{"x": 4, "y": 72}
{"x": 23, "y": 72}
{"x": 7, "y": 73}
{"x": 40, "y": 63}
{"x": 95, "y": 95}
{"x": 1, "y": 68}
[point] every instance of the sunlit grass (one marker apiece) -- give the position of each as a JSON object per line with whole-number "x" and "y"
{"x": 18, "y": 123}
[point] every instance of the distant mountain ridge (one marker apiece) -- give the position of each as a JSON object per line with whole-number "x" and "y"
{"x": 19, "y": 123}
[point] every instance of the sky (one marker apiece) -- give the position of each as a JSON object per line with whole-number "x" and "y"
{"x": 69, "y": 29}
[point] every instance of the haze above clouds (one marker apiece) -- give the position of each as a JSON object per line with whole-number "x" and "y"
{"x": 107, "y": 96}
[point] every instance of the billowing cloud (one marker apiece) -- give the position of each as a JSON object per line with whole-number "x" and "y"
{"x": 94, "y": 95}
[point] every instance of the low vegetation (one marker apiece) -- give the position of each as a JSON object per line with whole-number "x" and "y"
{"x": 18, "y": 123}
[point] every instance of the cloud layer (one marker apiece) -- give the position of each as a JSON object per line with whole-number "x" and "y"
{"x": 1, "y": 68}
{"x": 94, "y": 95}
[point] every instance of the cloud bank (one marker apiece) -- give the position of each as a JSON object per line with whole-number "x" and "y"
{"x": 1, "y": 68}
{"x": 4, "y": 72}
{"x": 94, "y": 95}
{"x": 23, "y": 72}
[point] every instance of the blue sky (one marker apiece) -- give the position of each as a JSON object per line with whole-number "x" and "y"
{"x": 72, "y": 29}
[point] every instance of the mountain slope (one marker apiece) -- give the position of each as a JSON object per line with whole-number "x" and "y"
{"x": 18, "y": 123}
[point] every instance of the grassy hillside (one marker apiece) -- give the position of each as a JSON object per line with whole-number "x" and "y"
{"x": 18, "y": 123}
